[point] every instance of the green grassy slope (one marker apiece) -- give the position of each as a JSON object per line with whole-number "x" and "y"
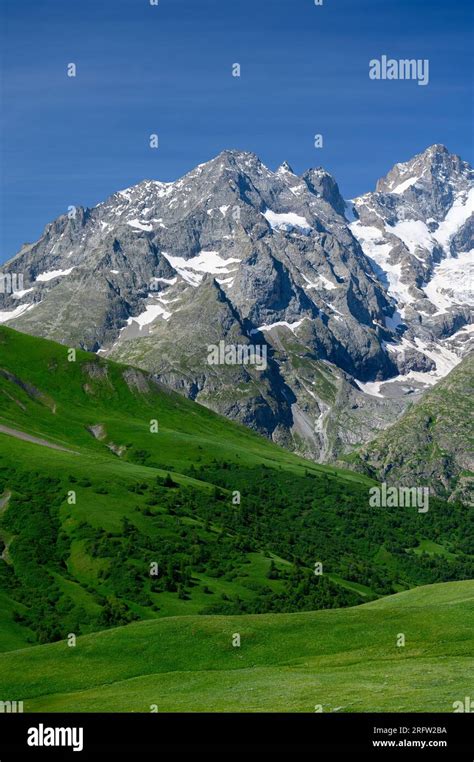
{"x": 344, "y": 660}
{"x": 84, "y": 565}
{"x": 44, "y": 394}
{"x": 57, "y": 401}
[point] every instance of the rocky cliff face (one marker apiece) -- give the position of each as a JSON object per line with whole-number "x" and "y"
{"x": 357, "y": 306}
{"x": 433, "y": 443}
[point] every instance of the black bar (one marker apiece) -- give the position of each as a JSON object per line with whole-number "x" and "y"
{"x": 134, "y": 735}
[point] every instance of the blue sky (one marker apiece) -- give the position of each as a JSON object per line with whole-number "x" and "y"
{"x": 167, "y": 70}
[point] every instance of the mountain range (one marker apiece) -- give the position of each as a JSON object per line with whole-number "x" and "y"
{"x": 362, "y": 305}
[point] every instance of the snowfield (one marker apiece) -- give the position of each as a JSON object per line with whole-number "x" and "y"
{"x": 193, "y": 270}
{"x": 45, "y": 277}
{"x": 287, "y": 221}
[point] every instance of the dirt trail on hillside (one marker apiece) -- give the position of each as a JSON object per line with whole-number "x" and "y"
{"x": 33, "y": 440}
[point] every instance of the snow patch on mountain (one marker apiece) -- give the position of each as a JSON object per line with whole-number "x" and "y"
{"x": 287, "y": 221}
{"x": 150, "y": 313}
{"x": 193, "y": 270}
{"x": 460, "y": 211}
{"x": 414, "y": 234}
{"x": 280, "y": 324}
{"x": 322, "y": 282}
{"x": 402, "y": 187}
{"x": 166, "y": 281}
{"x": 46, "y": 276}
{"x": 378, "y": 251}
{"x": 444, "y": 359}
{"x": 140, "y": 225}
{"x": 6, "y": 315}
{"x": 22, "y": 293}
{"x": 452, "y": 282}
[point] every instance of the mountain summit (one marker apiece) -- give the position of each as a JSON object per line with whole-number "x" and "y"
{"x": 356, "y": 316}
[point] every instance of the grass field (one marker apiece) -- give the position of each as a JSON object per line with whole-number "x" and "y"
{"x": 345, "y": 660}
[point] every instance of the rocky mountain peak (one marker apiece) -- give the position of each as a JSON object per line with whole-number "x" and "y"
{"x": 283, "y": 168}
{"x": 322, "y": 183}
{"x": 434, "y": 166}
{"x": 417, "y": 229}
{"x": 245, "y": 161}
